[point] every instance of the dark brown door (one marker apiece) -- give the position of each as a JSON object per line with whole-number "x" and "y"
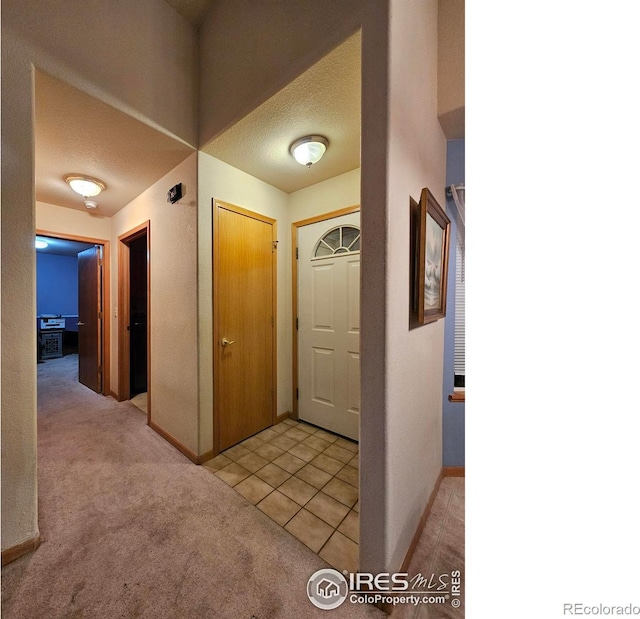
{"x": 138, "y": 315}
{"x": 90, "y": 318}
{"x": 244, "y": 277}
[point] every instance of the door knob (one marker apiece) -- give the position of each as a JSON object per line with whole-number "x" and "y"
{"x": 226, "y": 342}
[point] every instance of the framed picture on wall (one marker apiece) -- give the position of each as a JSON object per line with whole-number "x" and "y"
{"x": 432, "y": 258}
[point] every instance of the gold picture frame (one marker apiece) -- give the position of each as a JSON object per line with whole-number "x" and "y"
{"x": 431, "y": 259}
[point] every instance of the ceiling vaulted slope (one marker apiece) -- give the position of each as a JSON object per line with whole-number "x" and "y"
{"x": 77, "y": 134}
{"x": 324, "y": 100}
{"x": 193, "y": 11}
{"x": 451, "y": 66}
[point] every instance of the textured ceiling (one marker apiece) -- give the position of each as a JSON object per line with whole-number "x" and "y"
{"x": 77, "y": 134}
{"x": 324, "y": 100}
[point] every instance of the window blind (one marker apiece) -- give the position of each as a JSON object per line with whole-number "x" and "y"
{"x": 458, "y": 363}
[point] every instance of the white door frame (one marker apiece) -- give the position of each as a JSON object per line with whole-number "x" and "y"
{"x": 294, "y": 289}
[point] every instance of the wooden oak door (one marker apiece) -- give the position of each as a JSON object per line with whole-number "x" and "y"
{"x": 244, "y": 302}
{"x": 90, "y": 318}
{"x": 329, "y": 324}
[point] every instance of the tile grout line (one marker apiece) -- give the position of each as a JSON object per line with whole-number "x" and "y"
{"x": 335, "y": 530}
{"x": 251, "y": 450}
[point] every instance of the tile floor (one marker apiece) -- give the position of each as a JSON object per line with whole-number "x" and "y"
{"x": 306, "y": 480}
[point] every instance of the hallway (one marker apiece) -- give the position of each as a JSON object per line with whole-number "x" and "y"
{"x": 130, "y": 527}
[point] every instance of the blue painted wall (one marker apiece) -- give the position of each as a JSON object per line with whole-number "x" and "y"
{"x": 57, "y": 284}
{"x": 452, "y": 412}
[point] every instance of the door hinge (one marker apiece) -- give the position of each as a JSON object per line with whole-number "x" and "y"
{"x": 297, "y": 324}
{"x": 297, "y": 253}
{"x": 297, "y": 394}
{"x": 99, "y": 315}
{"x": 272, "y": 321}
{"x": 274, "y": 245}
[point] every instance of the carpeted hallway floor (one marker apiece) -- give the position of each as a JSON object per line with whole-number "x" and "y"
{"x": 441, "y": 551}
{"x": 131, "y": 528}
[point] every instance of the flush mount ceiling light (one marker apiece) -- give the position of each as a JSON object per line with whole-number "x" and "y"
{"x": 309, "y": 150}
{"x": 86, "y": 186}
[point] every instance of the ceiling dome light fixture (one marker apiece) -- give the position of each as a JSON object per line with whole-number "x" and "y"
{"x": 309, "y": 150}
{"x": 86, "y": 186}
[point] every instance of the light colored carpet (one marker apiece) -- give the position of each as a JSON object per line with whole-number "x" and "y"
{"x": 131, "y": 528}
{"x": 440, "y": 551}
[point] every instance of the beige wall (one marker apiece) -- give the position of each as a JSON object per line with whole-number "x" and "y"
{"x": 125, "y": 58}
{"x": 417, "y": 158}
{"x": 173, "y": 290}
{"x": 330, "y": 195}
{"x": 403, "y": 150}
{"x": 19, "y": 461}
{"x": 60, "y": 220}
{"x": 373, "y": 318}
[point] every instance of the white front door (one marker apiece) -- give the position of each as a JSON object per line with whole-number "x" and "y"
{"x": 329, "y": 324}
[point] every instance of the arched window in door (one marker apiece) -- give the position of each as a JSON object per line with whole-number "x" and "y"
{"x": 339, "y": 240}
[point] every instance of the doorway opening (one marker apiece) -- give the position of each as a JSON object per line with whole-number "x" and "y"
{"x": 134, "y": 265}
{"x": 73, "y": 292}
